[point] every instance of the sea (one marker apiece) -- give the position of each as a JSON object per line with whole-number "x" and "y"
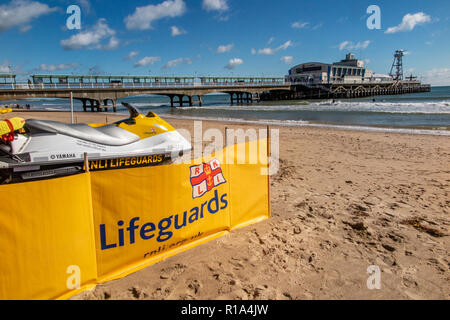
{"x": 427, "y": 113}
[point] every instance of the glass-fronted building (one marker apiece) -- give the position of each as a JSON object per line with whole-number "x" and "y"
{"x": 350, "y": 70}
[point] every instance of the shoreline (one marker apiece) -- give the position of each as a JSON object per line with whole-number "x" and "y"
{"x": 262, "y": 122}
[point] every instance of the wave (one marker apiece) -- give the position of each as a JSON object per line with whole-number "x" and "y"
{"x": 54, "y": 109}
{"x": 301, "y": 123}
{"x": 146, "y": 105}
{"x": 53, "y": 104}
{"x": 388, "y": 107}
{"x": 442, "y": 107}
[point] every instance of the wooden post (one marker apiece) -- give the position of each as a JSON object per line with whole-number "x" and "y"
{"x": 86, "y": 162}
{"x": 226, "y": 137}
{"x": 269, "y": 154}
{"x": 71, "y": 107}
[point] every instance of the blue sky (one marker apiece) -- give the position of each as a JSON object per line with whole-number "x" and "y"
{"x": 221, "y": 37}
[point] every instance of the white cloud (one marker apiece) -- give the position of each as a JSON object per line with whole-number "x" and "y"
{"x": 5, "y": 68}
{"x": 272, "y": 51}
{"x": 344, "y": 44}
{"x": 285, "y": 45}
{"x": 253, "y": 51}
{"x": 143, "y": 17}
{"x": 132, "y": 55}
{"x": 20, "y": 13}
{"x": 146, "y": 61}
{"x": 176, "y": 62}
{"x": 349, "y": 45}
{"x": 113, "y": 44}
{"x": 177, "y": 31}
{"x": 57, "y": 67}
{"x": 215, "y": 5}
{"x": 267, "y": 51}
{"x": 438, "y": 77}
{"x": 92, "y": 38}
{"x": 233, "y": 63}
{"x": 287, "y": 60}
{"x": 225, "y": 48}
{"x": 272, "y": 39}
{"x": 299, "y": 25}
{"x": 409, "y": 22}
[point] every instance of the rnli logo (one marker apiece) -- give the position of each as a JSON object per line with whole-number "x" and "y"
{"x": 205, "y": 177}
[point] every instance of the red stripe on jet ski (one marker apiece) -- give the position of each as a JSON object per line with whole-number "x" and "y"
{"x": 9, "y": 136}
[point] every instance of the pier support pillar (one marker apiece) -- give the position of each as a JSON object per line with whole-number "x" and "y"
{"x": 91, "y": 103}
{"x": 105, "y": 105}
{"x": 98, "y": 105}
{"x": 256, "y": 97}
{"x": 84, "y": 102}
{"x": 248, "y": 98}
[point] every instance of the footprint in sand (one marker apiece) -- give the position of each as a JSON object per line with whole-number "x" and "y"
{"x": 193, "y": 287}
{"x": 138, "y": 293}
{"x": 172, "y": 272}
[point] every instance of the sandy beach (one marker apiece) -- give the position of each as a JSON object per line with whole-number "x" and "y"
{"x": 341, "y": 202}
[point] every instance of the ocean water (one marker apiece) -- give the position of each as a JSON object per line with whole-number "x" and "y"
{"x": 421, "y": 111}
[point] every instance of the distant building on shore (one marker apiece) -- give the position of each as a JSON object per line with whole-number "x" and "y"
{"x": 350, "y": 70}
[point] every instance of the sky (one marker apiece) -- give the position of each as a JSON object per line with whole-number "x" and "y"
{"x": 221, "y": 37}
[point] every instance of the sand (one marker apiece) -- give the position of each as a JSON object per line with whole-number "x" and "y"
{"x": 341, "y": 202}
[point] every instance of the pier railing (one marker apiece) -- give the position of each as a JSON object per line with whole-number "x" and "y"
{"x": 44, "y": 86}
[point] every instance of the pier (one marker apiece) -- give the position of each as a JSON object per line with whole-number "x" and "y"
{"x": 99, "y": 93}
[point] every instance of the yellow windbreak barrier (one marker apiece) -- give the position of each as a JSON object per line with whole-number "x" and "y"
{"x": 113, "y": 223}
{"x": 250, "y": 183}
{"x": 46, "y": 232}
{"x": 144, "y": 215}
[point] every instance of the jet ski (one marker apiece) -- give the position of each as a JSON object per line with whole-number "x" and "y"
{"x": 38, "y": 149}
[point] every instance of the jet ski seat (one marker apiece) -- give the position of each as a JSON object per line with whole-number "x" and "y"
{"x": 110, "y": 135}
